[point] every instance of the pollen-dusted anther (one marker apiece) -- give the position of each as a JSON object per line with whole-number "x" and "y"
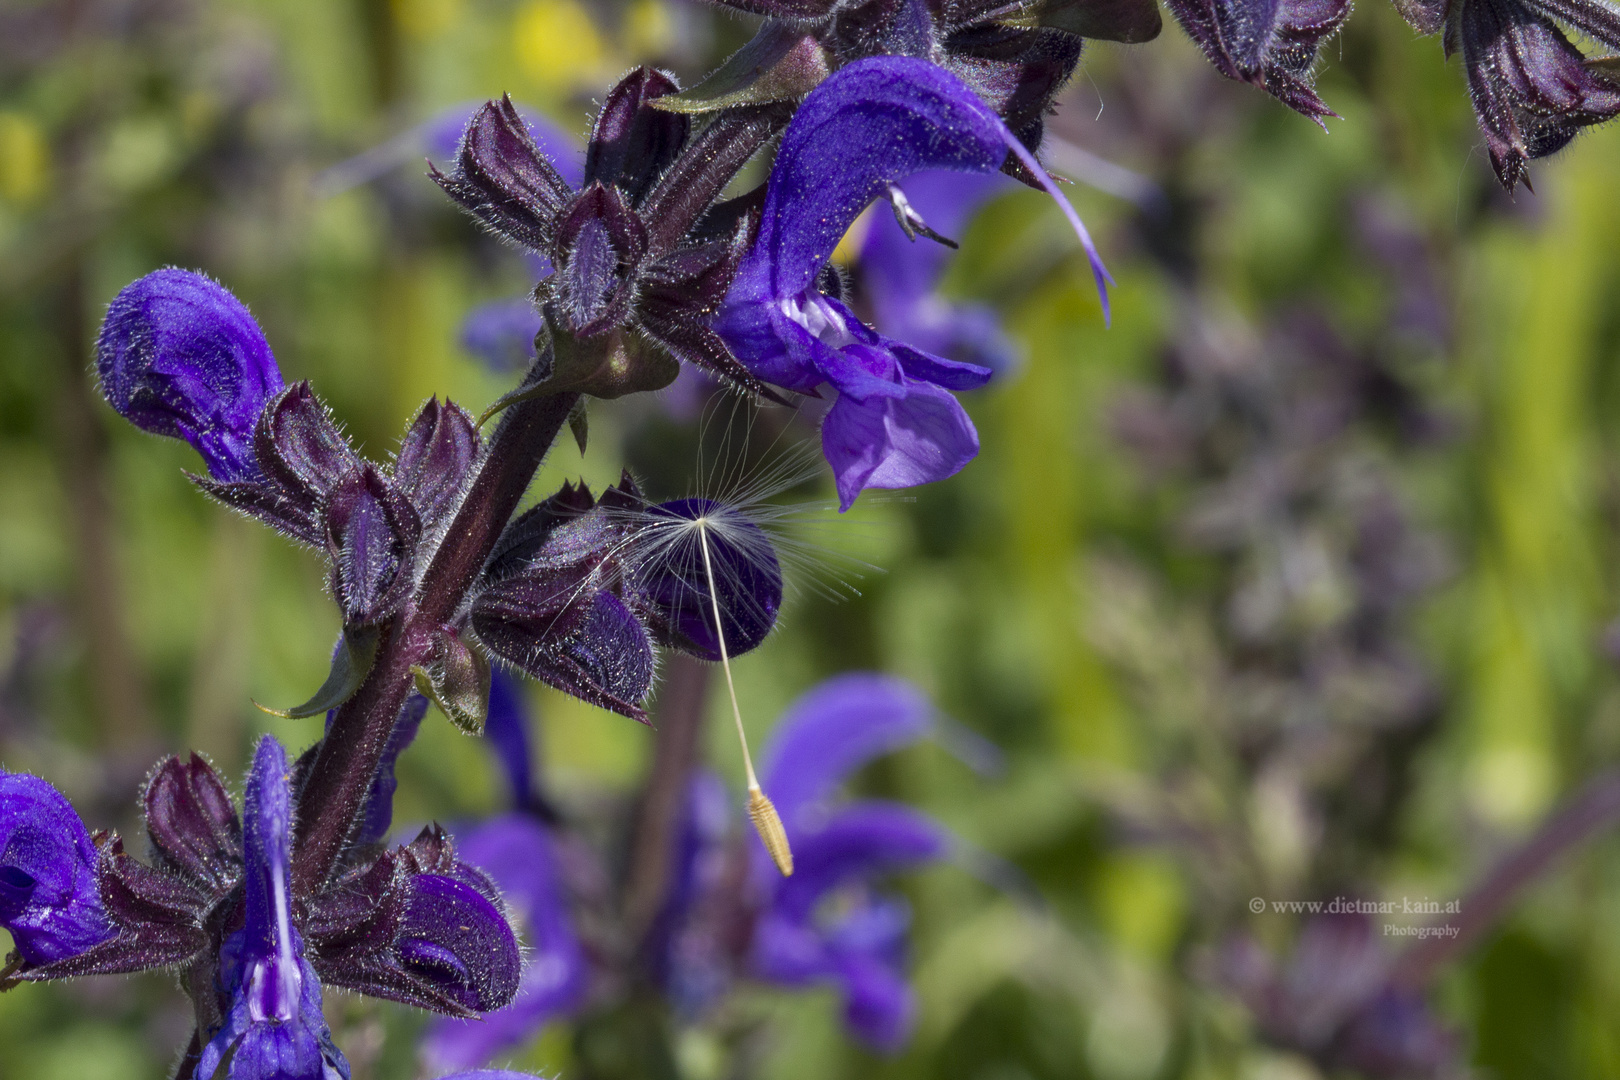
{"x": 768, "y": 823}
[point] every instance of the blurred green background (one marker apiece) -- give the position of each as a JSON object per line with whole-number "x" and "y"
{"x": 1050, "y": 598}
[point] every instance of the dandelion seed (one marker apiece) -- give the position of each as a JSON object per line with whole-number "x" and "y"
{"x": 767, "y": 822}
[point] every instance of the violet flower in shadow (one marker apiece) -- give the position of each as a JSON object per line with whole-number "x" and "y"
{"x": 732, "y": 915}
{"x": 1335, "y": 1001}
{"x": 516, "y": 849}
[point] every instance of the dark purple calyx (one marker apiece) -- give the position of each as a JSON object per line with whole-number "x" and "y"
{"x": 1532, "y": 89}
{"x": 635, "y": 262}
{"x": 192, "y": 825}
{"x": 371, "y": 536}
{"x": 1269, "y": 43}
{"x": 435, "y": 460}
{"x": 419, "y": 927}
{"x": 552, "y": 601}
{"x": 1016, "y": 56}
{"x": 303, "y": 456}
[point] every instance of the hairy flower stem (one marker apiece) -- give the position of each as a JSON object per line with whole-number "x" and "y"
{"x": 346, "y": 761}
{"x": 1593, "y": 809}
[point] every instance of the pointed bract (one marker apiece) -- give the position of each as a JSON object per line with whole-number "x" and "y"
{"x": 435, "y": 459}
{"x": 1532, "y": 88}
{"x": 1270, "y": 43}
{"x": 371, "y": 534}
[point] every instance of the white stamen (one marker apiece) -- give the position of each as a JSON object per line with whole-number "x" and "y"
{"x": 812, "y": 311}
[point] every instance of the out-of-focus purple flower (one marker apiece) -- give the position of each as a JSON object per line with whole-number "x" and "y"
{"x": 48, "y": 896}
{"x": 695, "y": 941}
{"x": 830, "y": 731}
{"x": 507, "y": 729}
{"x": 1335, "y": 1000}
{"x": 180, "y": 356}
{"x": 731, "y": 910}
{"x": 515, "y": 850}
{"x": 862, "y": 948}
{"x": 274, "y": 1029}
{"x": 866, "y": 128}
{"x": 501, "y": 333}
{"x": 799, "y": 939}
{"x": 900, "y": 276}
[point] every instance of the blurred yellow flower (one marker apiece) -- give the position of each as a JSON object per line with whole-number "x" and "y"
{"x": 557, "y": 44}
{"x": 24, "y": 159}
{"x": 647, "y": 28}
{"x": 426, "y": 18}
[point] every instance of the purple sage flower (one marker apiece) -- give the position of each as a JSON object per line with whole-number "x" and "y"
{"x": 501, "y": 333}
{"x": 48, "y": 895}
{"x": 274, "y": 1029}
{"x": 870, "y": 125}
{"x": 180, "y": 356}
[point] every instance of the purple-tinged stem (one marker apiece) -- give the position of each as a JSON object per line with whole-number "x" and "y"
{"x": 679, "y": 719}
{"x": 186, "y": 1068}
{"x": 1593, "y": 809}
{"x": 340, "y": 777}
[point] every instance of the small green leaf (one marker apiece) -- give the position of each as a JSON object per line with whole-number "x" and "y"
{"x": 1129, "y": 21}
{"x": 606, "y": 367}
{"x": 357, "y": 651}
{"x": 779, "y": 64}
{"x": 457, "y": 681}
{"x": 579, "y": 424}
